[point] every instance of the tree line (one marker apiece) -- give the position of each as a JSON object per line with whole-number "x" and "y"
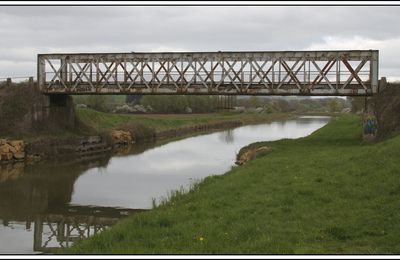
{"x": 207, "y": 104}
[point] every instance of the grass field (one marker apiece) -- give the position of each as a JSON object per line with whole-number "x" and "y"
{"x": 328, "y": 193}
{"x": 105, "y": 121}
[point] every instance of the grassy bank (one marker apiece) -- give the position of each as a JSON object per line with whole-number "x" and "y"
{"x": 326, "y": 193}
{"x": 160, "y": 122}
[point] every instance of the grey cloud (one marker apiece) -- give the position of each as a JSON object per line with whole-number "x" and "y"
{"x": 27, "y": 31}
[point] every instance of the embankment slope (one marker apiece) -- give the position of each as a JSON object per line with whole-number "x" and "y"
{"x": 327, "y": 193}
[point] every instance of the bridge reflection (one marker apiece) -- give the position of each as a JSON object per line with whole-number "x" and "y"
{"x": 60, "y": 229}
{"x": 227, "y": 136}
{"x": 40, "y": 194}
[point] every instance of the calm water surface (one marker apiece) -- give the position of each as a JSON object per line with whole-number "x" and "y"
{"x": 52, "y": 204}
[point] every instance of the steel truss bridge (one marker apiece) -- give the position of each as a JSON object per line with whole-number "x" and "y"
{"x": 310, "y": 73}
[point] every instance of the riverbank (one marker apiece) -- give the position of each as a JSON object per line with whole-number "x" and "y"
{"x": 96, "y": 131}
{"x": 144, "y": 127}
{"x": 163, "y": 122}
{"x": 327, "y": 193}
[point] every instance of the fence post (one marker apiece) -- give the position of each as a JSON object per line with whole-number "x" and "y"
{"x": 8, "y": 83}
{"x": 30, "y": 82}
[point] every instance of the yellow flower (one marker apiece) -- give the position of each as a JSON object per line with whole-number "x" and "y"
{"x": 201, "y": 238}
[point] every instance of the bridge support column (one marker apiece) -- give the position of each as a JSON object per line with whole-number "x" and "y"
{"x": 54, "y": 111}
{"x": 61, "y": 111}
{"x": 37, "y": 234}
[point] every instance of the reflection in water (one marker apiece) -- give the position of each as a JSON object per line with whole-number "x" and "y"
{"x": 52, "y": 204}
{"x": 11, "y": 171}
{"x": 305, "y": 120}
{"x": 227, "y": 136}
{"x": 61, "y": 228}
{"x": 40, "y": 195}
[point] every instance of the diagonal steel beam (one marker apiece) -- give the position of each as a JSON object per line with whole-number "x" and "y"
{"x": 291, "y": 74}
{"x": 287, "y": 74}
{"x": 321, "y": 74}
{"x": 354, "y": 73}
{"x": 57, "y": 72}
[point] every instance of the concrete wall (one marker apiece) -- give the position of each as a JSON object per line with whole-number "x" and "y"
{"x": 386, "y": 107}
{"x": 52, "y": 112}
{"x": 24, "y": 110}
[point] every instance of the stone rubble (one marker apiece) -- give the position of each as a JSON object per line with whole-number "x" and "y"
{"x": 12, "y": 150}
{"x": 121, "y": 137}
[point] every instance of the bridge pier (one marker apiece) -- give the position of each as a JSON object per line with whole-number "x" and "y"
{"x": 54, "y": 111}
{"x": 371, "y": 113}
{"x": 61, "y": 111}
{"x": 370, "y": 124}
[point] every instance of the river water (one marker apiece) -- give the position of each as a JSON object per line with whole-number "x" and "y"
{"x": 52, "y": 204}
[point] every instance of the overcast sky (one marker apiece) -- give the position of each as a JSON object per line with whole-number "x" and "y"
{"x": 27, "y": 31}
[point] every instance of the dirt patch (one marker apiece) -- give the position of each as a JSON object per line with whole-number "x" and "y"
{"x": 386, "y": 106}
{"x": 250, "y": 153}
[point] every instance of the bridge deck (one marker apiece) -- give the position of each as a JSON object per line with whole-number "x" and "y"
{"x": 353, "y": 72}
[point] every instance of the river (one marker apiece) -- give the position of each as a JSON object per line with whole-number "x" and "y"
{"x": 50, "y": 205}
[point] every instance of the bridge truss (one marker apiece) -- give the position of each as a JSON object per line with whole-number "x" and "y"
{"x": 62, "y": 228}
{"x": 341, "y": 73}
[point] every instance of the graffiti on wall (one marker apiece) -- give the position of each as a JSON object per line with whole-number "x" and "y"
{"x": 370, "y": 125}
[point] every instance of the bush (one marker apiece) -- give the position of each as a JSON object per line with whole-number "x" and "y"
{"x": 335, "y": 105}
{"x": 97, "y": 102}
{"x": 178, "y": 104}
{"x": 103, "y": 103}
{"x": 357, "y": 103}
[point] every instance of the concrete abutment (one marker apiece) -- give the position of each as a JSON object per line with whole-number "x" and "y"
{"x": 53, "y": 111}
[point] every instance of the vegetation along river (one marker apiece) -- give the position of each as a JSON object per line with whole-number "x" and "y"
{"x": 52, "y": 204}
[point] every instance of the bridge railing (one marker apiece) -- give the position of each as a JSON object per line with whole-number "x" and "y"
{"x": 352, "y": 72}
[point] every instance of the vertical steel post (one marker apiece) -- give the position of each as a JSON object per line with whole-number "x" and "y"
{"x": 41, "y": 73}
{"x": 64, "y": 71}
{"x": 374, "y": 73}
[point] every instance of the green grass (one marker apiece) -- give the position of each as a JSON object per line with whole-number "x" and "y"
{"x": 104, "y": 121}
{"x": 328, "y": 193}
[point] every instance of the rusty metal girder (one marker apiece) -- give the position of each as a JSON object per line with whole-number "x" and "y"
{"x": 339, "y": 73}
